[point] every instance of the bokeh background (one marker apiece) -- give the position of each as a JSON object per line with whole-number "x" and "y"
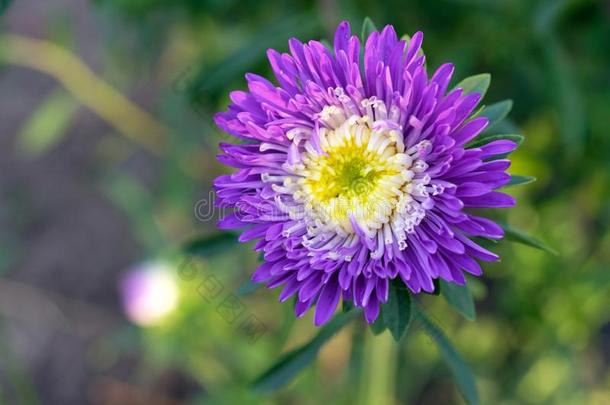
{"x": 107, "y": 153}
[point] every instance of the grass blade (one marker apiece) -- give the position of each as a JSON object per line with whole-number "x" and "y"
{"x": 518, "y": 236}
{"x": 368, "y": 27}
{"x": 458, "y": 367}
{"x": 518, "y": 180}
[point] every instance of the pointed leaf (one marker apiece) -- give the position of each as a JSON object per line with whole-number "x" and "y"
{"x": 460, "y": 298}
{"x": 368, "y": 27}
{"x": 518, "y": 236}
{"x": 211, "y": 244}
{"x": 458, "y": 367}
{"x": 496, "y": 112}
{"x": 290, "y": 364}
{"x": 485, "y": 242}
{"x": 396, "y": 312}
{"x": 506, "y": 126}
{"x": 378, "y": 327}
{"x": 475, "y": 84}
{"x": 485, "y": 139}
{"x": 518, "y": 180}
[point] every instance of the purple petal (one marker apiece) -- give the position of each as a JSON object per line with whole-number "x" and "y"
{"x": 371, "y": 311}
{"x": 327, "y": 302}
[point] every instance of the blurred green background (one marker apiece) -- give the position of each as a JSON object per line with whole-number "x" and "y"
{"x": 107, "y": 153}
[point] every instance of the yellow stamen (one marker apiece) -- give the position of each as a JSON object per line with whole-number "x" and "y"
{"x": 361, "y": 173}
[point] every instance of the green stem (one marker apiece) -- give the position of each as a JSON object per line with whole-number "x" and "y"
{"x": 378, "y": 377}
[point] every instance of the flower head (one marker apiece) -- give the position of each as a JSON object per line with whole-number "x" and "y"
{"x": 149, "y": 293}
{"x": 356, "y": 173}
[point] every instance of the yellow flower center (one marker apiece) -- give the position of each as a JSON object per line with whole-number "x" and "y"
{"x": 359, "y": 171}
{"x": 352, "y": 177}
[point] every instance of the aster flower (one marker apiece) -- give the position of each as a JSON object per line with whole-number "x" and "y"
{"x": 355, "y": 171}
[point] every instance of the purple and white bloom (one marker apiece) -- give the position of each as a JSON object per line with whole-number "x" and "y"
{"x": 351, "y": 176}
{"x": 149, "y": 293}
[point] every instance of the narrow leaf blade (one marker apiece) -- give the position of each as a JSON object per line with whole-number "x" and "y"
{"x": 396, "y": 313}
{"x": 460, "y": 298}
{"x": 518, "y": 236}
{"x": 475, "y": 84}
{"x": 368, "y": 27}
{"x": 458, "y": 367}
{"x": 290, "y": 364}
{"x": 210, "y": 244}
{"x": 518, "y": 180}
{"x": 285, "y": 369}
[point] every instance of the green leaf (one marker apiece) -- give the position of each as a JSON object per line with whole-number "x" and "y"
{"x": 518, "y": 236}
{"x": 458, "y": 367}
{"x": 290, "y": 364}
{"x": 210, "y": 244}
{"x": 475, "y": 84}
{"x": 378, "y": 326}
{"x": 485, "y": 139}
{"x": 518, "y": 180}
{"x": 496, "y": 112}
{"x": 459, "y": 297}
{"x": 47, "y": 125}
{"x": 368, "y": 27}
{"x": 396, "y": 312}
{"x": 347, "y": 306}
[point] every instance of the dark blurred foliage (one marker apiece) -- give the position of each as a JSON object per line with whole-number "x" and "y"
{"x": 82, "y": 200}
